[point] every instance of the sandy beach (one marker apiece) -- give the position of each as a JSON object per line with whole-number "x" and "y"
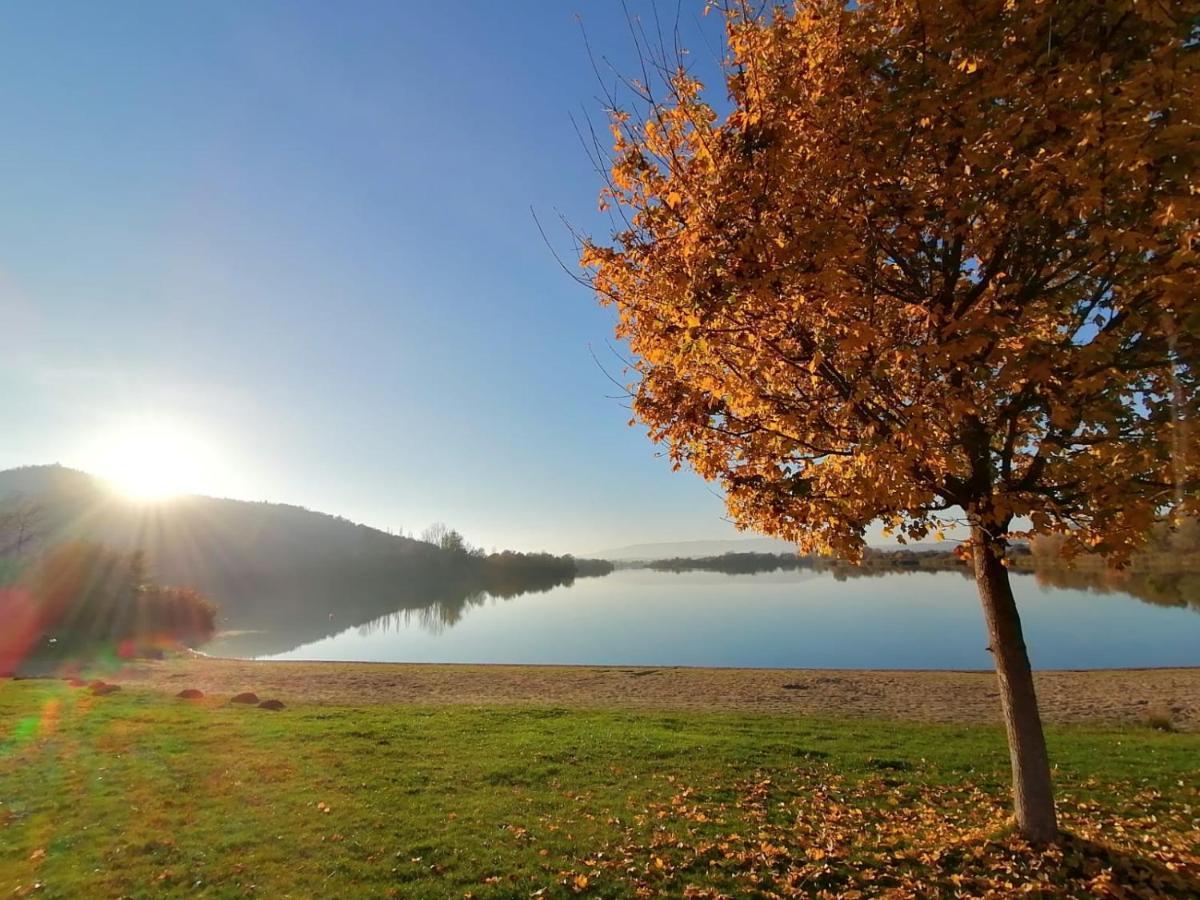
{"x": 1093, "y": 697}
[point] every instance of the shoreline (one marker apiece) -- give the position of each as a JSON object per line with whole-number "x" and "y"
{"x": 1069, "y": 696}
{"x": 199, "y": 655}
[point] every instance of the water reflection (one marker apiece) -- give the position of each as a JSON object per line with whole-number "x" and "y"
{"x": 836, "y": 618}
{"x": 1158, "y": 588}
{"x": 434, "y": 619}
{"x": 275, "y": 616}
{"x": 1180, "y": 589}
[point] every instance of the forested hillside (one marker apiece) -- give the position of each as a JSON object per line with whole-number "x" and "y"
{"x": 299, "y": 573}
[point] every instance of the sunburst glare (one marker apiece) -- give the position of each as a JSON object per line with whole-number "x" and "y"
{"x": 154, "y": 460}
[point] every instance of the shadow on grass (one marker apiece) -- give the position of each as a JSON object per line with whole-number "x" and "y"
{"x": 1086, "y": 859}
{"x": 1071, "y": 865}
{"x": 1002, "y": 866}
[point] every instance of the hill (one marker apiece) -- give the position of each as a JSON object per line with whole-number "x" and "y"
{"x": 281, "y": 575}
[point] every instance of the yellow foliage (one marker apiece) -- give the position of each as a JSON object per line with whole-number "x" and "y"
{"x": 819, "y": 834}
{"x": 934, "y": 256}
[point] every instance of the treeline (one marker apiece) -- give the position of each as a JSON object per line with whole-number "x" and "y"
{"x": 911, "y": 560}
{"x": 729, "y": 563}
{"x": 1170, "y": 548}
{"x": 874, "y": 561}
{"x": 80, "y": 598}
{"x": 510, "y": 562}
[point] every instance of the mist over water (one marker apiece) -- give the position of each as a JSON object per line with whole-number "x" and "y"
{"x": 805, "y": 619}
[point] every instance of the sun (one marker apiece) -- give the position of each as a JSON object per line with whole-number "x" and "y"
{"x": 151, "y": 461}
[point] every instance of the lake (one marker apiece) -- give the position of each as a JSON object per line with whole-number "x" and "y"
{"x": 803, "y": 619}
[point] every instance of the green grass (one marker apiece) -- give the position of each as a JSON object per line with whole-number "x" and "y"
{"x": 137, "y": 794}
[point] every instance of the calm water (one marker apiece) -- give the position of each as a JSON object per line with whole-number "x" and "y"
{"x": 784, "y": 619}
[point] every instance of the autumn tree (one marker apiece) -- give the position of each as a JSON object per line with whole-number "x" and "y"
{"x": 923, "y": 259}
{"x": 79, "y": 597}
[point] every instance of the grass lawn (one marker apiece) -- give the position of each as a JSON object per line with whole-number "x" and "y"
{"x": 139, "y": 794}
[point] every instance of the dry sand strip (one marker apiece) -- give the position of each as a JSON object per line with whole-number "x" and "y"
{"x": 1107, "y": 696}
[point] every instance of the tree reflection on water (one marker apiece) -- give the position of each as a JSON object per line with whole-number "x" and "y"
{"x": 1161, "y": 588}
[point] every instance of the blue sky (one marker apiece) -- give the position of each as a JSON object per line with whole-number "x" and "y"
{"x": 296, "y": 237}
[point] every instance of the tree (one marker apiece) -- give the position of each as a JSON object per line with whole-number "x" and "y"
{"x": 20, "y": 525}
{"x": 435, "y": 534}
{"x": 938, "y": 258}
{"x": 86, "y": 595}
{"x": 448, "y": 539}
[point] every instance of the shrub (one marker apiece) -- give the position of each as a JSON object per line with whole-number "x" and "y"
{"x": 81, "y": 593}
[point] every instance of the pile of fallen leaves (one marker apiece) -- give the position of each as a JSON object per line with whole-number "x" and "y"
{"x": 814, "y": 832}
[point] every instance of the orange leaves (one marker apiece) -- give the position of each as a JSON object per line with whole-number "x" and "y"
{"x": 812, "y": 831}
{"x": 921, "y": 254}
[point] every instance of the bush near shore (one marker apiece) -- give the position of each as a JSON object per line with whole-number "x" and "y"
{"x": 80, "y": 598}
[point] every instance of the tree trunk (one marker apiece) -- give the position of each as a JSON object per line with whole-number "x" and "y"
{"x": 1033, "y": 795}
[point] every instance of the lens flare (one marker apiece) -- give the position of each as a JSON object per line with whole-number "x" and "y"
{"x": 153, "y": 460}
